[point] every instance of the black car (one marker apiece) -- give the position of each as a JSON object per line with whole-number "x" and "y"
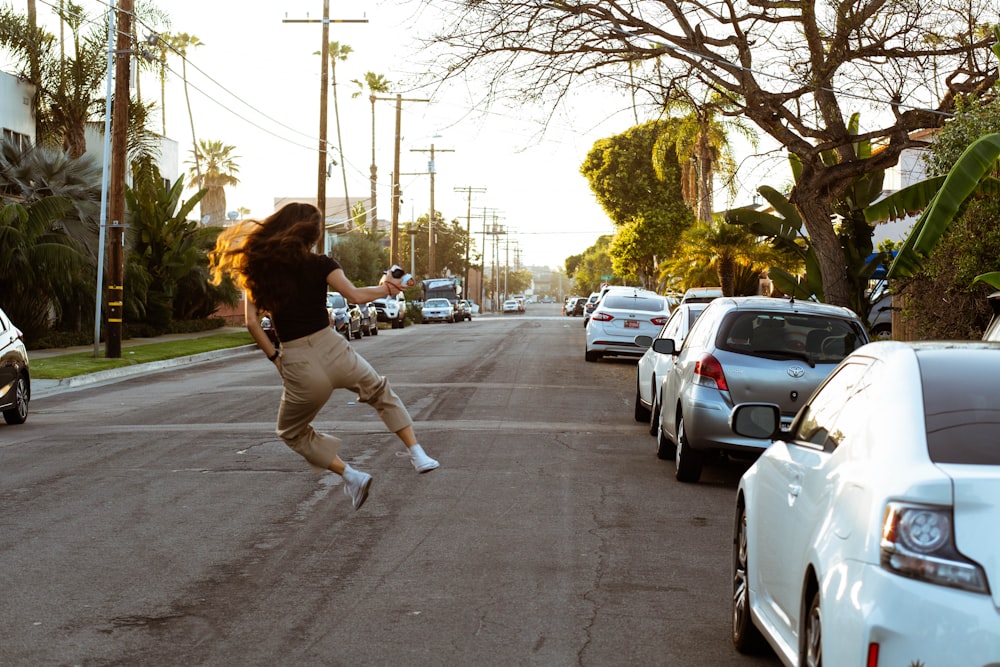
{"x": 15, "y": 380}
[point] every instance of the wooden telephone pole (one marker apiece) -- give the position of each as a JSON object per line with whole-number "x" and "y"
{"x": 116, "y": 198}
{"x": 431, "y": 169}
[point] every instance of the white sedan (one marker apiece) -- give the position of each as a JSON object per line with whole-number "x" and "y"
{"x": 511, "y": 306}
{"x": 867, "y": 534}
{"x": 619, "y": 317}
{"x": 653, "y": 365}
{"x": 437, "y": 310}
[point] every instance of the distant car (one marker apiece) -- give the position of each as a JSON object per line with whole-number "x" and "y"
{"x": 369, "y": 319}
{"x": 589, "y": 305}
{"x": 511, "y": 306}
{"x": 579, "y": 306}
{"x": 344, "y": 317}
{"x": 880, "y": 318}
{"x": 463, "y": 310}
{"x": 15, "y": 378}
{"x": 391, "y": 310}
{"x": 701, "y": 294}
{"x": 520, "y": 301}
{"x": 619, "y": 318}
{"x": 438, "y": 310}
{"x": 866, "y": 533}
{"x": 742, "y": 349}
{"x": 653, "y": 366}
{"x": 993, "y": 330}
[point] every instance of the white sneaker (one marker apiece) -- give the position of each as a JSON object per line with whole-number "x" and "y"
{"x": 420, "y": 460}
{"x": 357, "y": 488}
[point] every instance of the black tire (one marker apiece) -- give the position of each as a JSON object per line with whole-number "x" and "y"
{"x": 374, "y": 330}
{"x": 396, "y": 324}
{"x": 592, "y": 356}
{"x": 357, "y": 334}
{"x": 747, "y": 639}
{"x": 654, "y": 413}
{"x": 18, "y": 414}
{"x": 641, "y": 411}
{"x": 665, "y": 449}
{"x": 687, "y": 460}
{"x": 882, "y": 332}
{"x": 812, "y": 635}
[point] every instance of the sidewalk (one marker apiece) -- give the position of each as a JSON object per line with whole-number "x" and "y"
{"x": 43, "y": 388}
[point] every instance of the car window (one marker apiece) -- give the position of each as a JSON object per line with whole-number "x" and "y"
{"x": 704, "y": 327}
{"x": 824, "y": 420}
{"x": 335, "y": 301}
{"x": 634, "y": 302}
{"x": 672, "y": 329}
{"x": 766, "y": 333}
{"x": 437, "y": 303}
{"x": 961, "y": 408}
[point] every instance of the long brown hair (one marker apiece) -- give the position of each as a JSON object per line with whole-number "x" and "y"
{"x": 260, "y": 255}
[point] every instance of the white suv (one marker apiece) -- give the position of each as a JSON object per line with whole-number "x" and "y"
{"x": 391, "y": 310}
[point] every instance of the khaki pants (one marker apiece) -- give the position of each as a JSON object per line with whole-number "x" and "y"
{"x": 312, "y": 367}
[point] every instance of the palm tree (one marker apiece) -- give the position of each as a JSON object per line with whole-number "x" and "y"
{"x": 220, "y": 171}
{"x": 376, "y": 83}
{"x": 179, "y": 44}
{"x": 718, "y": 251}
{"x": 700, "y": 140}
{"x": 340, "y": 52}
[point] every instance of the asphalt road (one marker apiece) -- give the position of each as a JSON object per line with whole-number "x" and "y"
{"x": 158, "y": 520}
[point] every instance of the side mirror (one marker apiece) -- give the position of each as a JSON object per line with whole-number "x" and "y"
{"x": 664, "y": 346}
{"x": 643, "y": 341}
{"x": 761, "y": 421}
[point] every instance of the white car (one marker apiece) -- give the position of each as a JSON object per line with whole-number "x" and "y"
{"x": 653, "y": 365}
{"x": 867, "y": 534}
{"x": 511, "y": 306}
{"x": 621, "y": 316}
{"x": 438, "y": 310}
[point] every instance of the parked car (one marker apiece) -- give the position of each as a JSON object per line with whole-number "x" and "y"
{"x": 578, "y": 306}
{"x": 701, "y": 294}
{"x": 438, "y": 310}
{"x": 520, "y": 301}
{"x": 369, "y": 319}
{"x": 463, "y": 311}
{"x": 993, "y": 330}
{"x": 880, "y": 318}
{"x": 15, "y": 377}
{"x": 866, "y": 534}
{"x": 753, "y": 348}
{"x": 620, "y": 317}
{"x": 511, "y": 306}
{"x": 653, "y": 366}
{"x": 392, "y": 310}
{"x": 344, "y": 317}
{"x": 589, "y": 305}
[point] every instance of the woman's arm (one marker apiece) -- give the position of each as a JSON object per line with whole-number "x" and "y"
{"x": 258, "y": 333}
{"x": 388, "y": 286}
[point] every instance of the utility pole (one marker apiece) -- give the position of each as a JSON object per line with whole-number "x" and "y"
{"x": 468, "y": 190}
{"x": 116, "y": 200}
{"x": 324, "y": 79}
{"x": 394, "y": 231}
{"x": 482, "y": 262}
{"x": 430, "y": 221}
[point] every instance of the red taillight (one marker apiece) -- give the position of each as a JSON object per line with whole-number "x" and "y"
{"x": 872, "y": 655}
{"x": 602, "y": 317}
{"x": 708, "y": 372}
{"x": 659, "y": 321}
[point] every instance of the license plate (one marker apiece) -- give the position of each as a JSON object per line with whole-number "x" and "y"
{"x": 631, "y": 324}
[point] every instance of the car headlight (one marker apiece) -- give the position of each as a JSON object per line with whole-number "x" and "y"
{"x": 918, "y": 542}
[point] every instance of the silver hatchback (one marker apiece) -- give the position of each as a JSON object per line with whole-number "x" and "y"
{"x": 743, "y": 350}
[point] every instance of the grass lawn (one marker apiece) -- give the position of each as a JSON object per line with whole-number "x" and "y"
{"x": 81, "y": 363}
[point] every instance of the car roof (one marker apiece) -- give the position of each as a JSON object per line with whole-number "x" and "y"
{"x": 782, "y": 304}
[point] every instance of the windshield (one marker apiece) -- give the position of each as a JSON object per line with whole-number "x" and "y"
{"x": 335, "y": 301}
{"x": 437, "y": 303}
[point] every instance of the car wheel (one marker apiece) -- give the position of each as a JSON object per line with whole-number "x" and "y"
{"x": 374, "y": 330}
{"x": 654, "y": 413}
{"x": 396, "y": 324}
{"x": 641, "y": 411}
{"x": 688, "y": 461}
{"x": 812, "y": 635}
{"x": 665, "y": 449}
{"x": 746, "y": 637}
{"x": 882, "y": 332}
{"x": 19, "y": 413}
{"x": 592, "y": 356}
{"x": 357, "y": 334}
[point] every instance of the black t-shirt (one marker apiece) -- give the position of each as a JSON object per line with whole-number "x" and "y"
{"x": 304, "y": 311}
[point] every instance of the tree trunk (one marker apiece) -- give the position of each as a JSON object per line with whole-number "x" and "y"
{"x": 816, "y": 214}
{"x": 704, "y": 177}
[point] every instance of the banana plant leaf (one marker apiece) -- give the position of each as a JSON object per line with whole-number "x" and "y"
{"x": 964, "y": 179}
{"x": 992, "y": 279}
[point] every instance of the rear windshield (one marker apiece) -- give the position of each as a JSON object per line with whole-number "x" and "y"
{"x": 962, "y": 407}
{"x": 634, "y": 302}
{"x": 768, "y": 334}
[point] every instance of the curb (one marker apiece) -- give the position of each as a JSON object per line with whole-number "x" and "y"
{"x": 43, "y": 388}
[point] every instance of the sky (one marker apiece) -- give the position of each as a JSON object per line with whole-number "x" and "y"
{"x": 254, "y": 83}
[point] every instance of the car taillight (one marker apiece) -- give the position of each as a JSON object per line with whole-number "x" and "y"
{"x": 708, "y": 373}
{"x": 602, "y": 317}
{"x": 659, "y": 321}
{"x": 918, "y": 542}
